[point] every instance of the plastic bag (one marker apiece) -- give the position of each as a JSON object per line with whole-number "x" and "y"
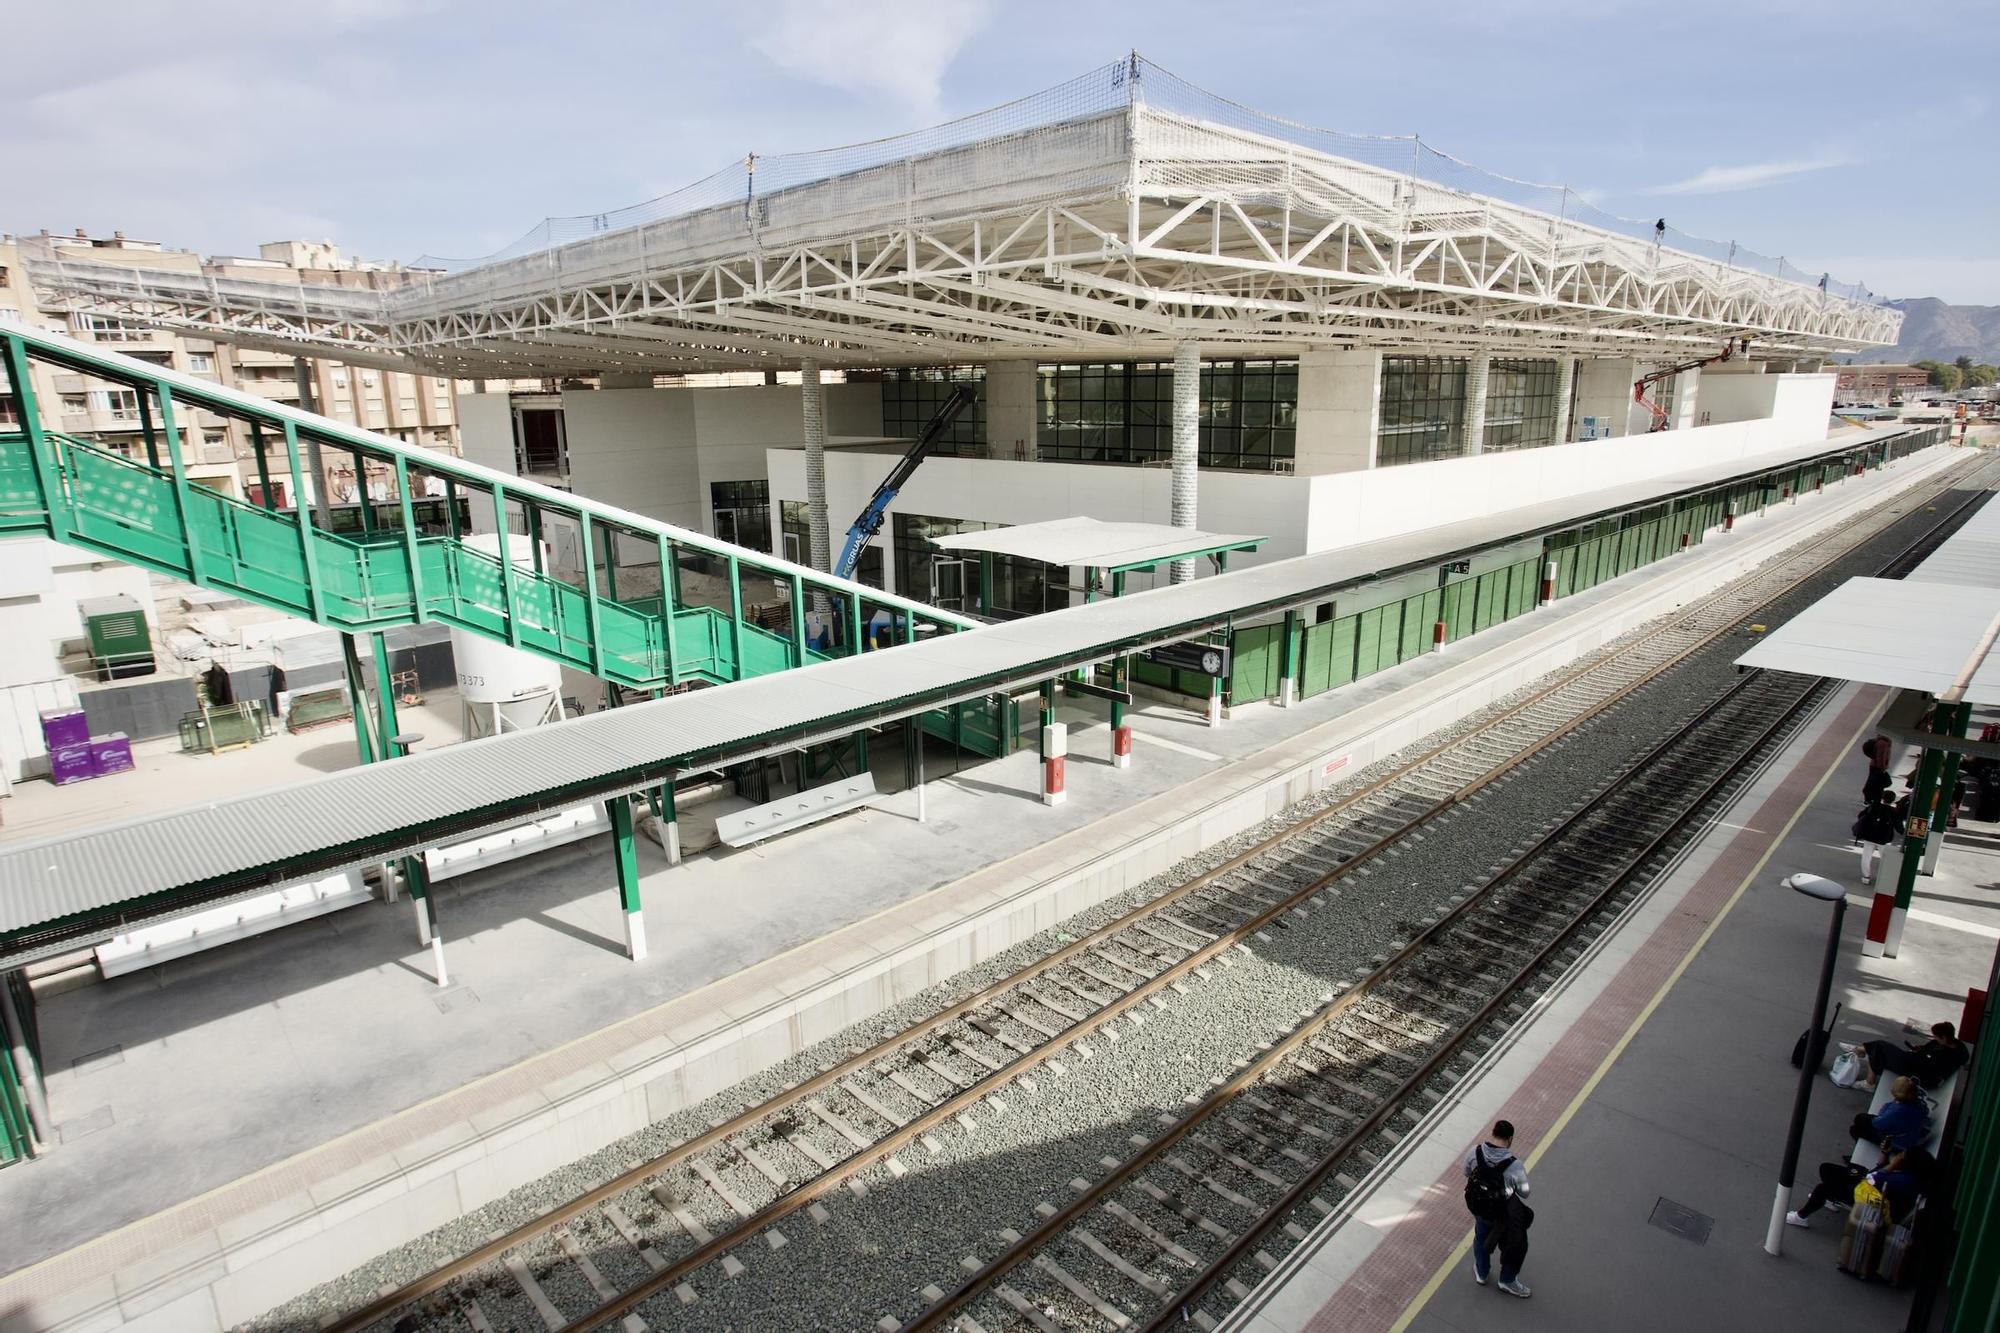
{"x": 1846, "y": 1071}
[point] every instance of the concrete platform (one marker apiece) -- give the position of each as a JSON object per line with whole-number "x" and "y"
{"x": 241, "y": 1125}
{"x": 1660, "y": 1073}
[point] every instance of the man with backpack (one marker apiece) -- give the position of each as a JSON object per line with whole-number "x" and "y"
{"x": 1496, "y": 1188}
{"x": 1874, "y": 829}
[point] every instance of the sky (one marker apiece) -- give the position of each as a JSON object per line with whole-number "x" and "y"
{"x": 1848, "y": 137}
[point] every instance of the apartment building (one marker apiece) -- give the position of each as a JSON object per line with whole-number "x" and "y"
{"x": 417, "y": 409}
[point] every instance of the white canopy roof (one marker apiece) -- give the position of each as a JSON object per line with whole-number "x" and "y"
{"x": 1909, "y": 633}
{"x": 1094, "y": 542}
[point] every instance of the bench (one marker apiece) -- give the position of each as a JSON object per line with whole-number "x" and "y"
{"x": 1868, "y": 1156}
{"x": 744, "y": 827}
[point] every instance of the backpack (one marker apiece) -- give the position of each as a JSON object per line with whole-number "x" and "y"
{"x": 1486, "y": 1190}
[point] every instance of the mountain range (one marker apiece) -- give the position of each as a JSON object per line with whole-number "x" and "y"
{"x": 1936, "y": 331}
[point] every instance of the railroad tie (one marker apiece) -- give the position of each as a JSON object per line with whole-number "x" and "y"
{"x": 1110, "y": 1313}
{"x": 574, "y": 1253}
{"x": 630, "y": 1234}
{"x": 808, "y": 1148}
{"x": 722, "y": 1190}
{"x": 867, "y": 1099}
{"x": 1025, "y": 1308}
{"x": 517, "y": 1269}
{"x": 909, "y": 1085}
{"x": 679, "y": 1212}
{"x": 838, "y": 1125}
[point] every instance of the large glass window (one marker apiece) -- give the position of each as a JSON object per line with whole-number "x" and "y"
{"x": 795, "y": 527}
{"x": 1520, "y": 405}
{"x": 1423, "y": 409}
{"x": 1125, "y": 414}
{"x": 742, "y": 511}
{"x": 910, "y": 398}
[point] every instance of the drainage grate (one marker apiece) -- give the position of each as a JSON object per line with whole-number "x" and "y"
{"x": 454, "y": 997}
{"x": 1681, "y": 1220}
{"x": 96, "y": 1060}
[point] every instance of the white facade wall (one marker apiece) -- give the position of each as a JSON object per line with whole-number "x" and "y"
{"x": 1799, "y": 399}
{"x": 1308, "y": 513}
{"x": 1012, "y": 414}
{"x": 636, "y": 448}
{"x": 1604, "y": 392}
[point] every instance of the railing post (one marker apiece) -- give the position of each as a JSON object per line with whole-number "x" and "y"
{"x": 667, "y": 589}
{"x": 410, "y": 537}
{"x": 798, "y": 620}
{"x": 48, "y": 472}
{"x": 736, "y": 616}
{"x": 263, "y": 466}
{"x": 361, "y": 493}
{"x": 596, "y": 644}
{"x": 506, "y": 566}
{"x": 173, "y": 434}
{"x": 304, "y": 516}
{"x": 146, "y": 428}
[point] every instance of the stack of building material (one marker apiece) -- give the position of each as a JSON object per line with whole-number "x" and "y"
{"x": 77, "y": 756}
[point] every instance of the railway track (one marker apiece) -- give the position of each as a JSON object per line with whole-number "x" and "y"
{"x": 774, "y": 1167}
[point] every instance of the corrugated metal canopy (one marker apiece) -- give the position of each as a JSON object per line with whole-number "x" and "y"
{"x": 1911, "y": 634}
{"x": 1970, "y": 557}
{"x": 1081, "y": 540}
{"x": 386, "y": 810}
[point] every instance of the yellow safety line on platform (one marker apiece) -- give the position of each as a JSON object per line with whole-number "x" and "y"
{"x": 1464, "y": 1246}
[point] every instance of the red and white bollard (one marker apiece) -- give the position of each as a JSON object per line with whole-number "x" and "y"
{"x": 1055, "y": 747}
{"x": 1880, "y": 913}
{"x": 1438, "y": 632}
{"x": 1729, "y": 516}
{"x": 1121, "y": 746}
{"x": 1548, "y": 583}
{"x": 1687, "y": 542}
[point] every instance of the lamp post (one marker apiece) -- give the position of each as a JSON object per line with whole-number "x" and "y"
{"x": 1824, "y": 889}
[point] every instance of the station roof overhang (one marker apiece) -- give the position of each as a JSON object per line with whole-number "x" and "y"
{"x": 1938, "y": 638}
{"x": 1096, "y": 544}
{"x": 70, "y": 891}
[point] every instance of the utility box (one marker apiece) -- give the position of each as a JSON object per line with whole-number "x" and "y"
{"x": 120, "y": 643}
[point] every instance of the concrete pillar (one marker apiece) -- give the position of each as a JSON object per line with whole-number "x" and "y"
{"x": 1340, "y": 410}
{"x": 1687, "y": 401}
{"x": 1565, "y": 391}
{"x": 819, "y": 555}
{"x": 1926, "y": 822}
{"x": 1012, "y": 414}
{"x": 1604, "y": 397}
{"x": 1288, "y": 667}
{"x": 1478, "y": 368}
{"x": 1187, "y": 446}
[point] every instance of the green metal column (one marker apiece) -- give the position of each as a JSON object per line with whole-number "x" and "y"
{"x": 302, "y": 512}
{"x": 669, "y": 588}
{"x": 48, "y": 471}
{"x": 986, "y": 583}
{"x": 798, "y": 594}
{"x": 361, "y": 495}
{"x": 263, "y": 463}
{"x": 508, "y": 607}
{"x": 1947, "y": 719}
{"x": 595, "y": 647}
{"x": 410, "y": 537}
{"x": 385, "y": 705}
{"x": 736, "y": 617}
{"x": 181, "y": 483}
{"x": 626, "y": 857}
{"x": 357, "y": 692}
{"x": 1288, "y": 671}
{"x": 146, "y": 428}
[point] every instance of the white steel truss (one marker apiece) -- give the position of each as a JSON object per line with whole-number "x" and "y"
{"x": 1110, "y": 236}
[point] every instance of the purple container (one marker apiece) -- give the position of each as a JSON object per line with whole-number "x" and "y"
{"x": 71, "y": 763}
{"x": 64, "y": 727}
{"x": 111, "y": 754}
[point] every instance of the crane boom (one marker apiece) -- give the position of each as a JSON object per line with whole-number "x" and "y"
{"x": 870, "y": 522}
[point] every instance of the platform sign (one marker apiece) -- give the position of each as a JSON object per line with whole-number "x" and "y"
{"x": 1206, "y": 659}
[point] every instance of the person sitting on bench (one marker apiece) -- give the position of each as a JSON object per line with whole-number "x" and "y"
{"x": 1901, "y": 1179}
{"x": 1929, "y": 1064}
{"x": 1902, "y": 1123}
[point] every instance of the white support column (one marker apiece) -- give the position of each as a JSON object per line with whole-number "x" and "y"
{"x": 1187, "y": 446}
{"x": 1478, "y": 368}
{"x": 1565, "y": 392}
{"x": 819, "y": 554}
{"x": 33, "y": 1089}
{"x": 1011, "y": 410}
{"x": 1055, "y": 755}
{"x": 423, "y": 920}
{"x": 1340, "y": 411}
{"x": 670, "y": 839}
{"x": 1687, "y": 400}
{"x": 1604, "y": 396}
{"x": 437, "y": 960}
{"x": 635, "y": 935}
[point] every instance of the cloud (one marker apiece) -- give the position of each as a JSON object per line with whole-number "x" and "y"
{"x": 895, "y": 48}
{"x": 1721, "y": 180}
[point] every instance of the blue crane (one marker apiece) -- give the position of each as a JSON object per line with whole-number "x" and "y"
{"x": 870, "y": 522}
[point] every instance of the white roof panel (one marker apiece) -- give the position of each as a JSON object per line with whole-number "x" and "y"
{"x": 1898, "y": 632}
{"x": 1081, "y": 540}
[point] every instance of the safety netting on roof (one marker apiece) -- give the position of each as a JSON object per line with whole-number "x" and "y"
{"x": 755, "y": 179}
